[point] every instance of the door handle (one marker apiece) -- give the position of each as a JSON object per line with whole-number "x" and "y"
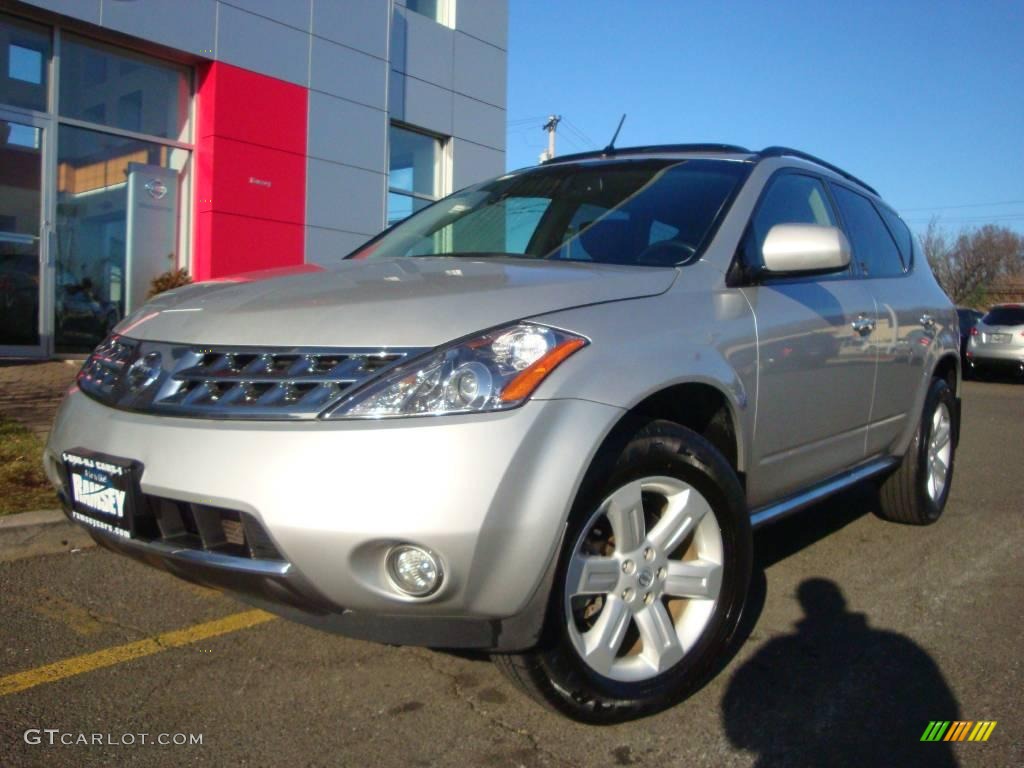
{"x": 863, "y": 325}
{"x": 927, "y": 321}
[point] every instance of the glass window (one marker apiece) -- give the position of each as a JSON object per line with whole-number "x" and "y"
{"x": 122, "y": 90}
{"x": 791, "y": 199}
{"x": 873, "y": 247}
{"x": 20, "y": 208}
{"x": 26, "y": 55}
{"x": 118, "y": 203}
{"x": 1005, "y": 316}
{"x": 904, "y": 240}
{"x": 414, "y": 172}
{"x": 432, "y": 9}
{"x": 633, "y": 212}
{"x": 505, "y": 226}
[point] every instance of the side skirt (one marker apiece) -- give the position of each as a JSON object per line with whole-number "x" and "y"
{"x": 787, "y": 506}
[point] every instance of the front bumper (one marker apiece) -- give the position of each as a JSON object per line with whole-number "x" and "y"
{"x": 488, "y": 493}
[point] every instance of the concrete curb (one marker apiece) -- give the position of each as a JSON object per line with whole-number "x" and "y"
{"x": 44, "y": 532}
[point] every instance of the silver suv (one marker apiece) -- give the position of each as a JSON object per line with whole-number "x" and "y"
{"x": 539, "y": 418}
{"x": 997, "y": 341}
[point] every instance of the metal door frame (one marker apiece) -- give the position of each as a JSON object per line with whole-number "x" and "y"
{"x": 47, "y": 145}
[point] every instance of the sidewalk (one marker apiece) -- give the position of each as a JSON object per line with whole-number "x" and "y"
{"x": 31, "y": 391}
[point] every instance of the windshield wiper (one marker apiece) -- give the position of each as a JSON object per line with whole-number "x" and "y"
{"x": 481, "y": 255}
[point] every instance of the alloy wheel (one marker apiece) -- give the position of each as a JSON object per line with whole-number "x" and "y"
{"x": 940, "y": 448}
{"x": 643, "y": 579}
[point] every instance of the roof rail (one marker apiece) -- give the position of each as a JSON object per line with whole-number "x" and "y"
{"x": 650, "y": 150}
{"x": 789, "y": 152}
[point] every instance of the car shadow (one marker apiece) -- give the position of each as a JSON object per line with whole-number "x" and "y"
{"x": 835, "y": 691}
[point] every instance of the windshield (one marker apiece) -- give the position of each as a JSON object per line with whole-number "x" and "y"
{"x": 653, "y": 213}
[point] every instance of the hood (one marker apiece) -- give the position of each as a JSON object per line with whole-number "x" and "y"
{"x": 412, "y": 302}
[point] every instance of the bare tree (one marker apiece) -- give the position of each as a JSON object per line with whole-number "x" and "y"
{"x": 969, "y": 264}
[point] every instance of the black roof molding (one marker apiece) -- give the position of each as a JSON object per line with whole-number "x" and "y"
{"x": 790, "y": 152}
{"x": 729, "y": 149}
{"x": 653, "y": 149}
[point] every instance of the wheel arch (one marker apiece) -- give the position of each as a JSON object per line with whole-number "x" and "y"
{"x": 948, "y": 367}
{"x": 699, "y": 405}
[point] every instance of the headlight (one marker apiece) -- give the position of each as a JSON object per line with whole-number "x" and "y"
{"x": 104, "y": 371}
{"x": 495, "y": 371}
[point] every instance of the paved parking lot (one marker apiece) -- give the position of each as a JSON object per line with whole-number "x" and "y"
{"x": 860, "y": 632}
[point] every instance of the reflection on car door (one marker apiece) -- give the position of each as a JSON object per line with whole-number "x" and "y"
{"x": 882, "y": 248}
{"x": 815, "y": 370}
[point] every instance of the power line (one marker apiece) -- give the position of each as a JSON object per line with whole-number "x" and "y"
{"x": 972, "y": 219}
{"x": 965, "y": 205}
{"x": 527, "y": 122}
{"x": 579, "y": 132}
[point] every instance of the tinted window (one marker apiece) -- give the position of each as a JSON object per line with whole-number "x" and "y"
{"x": 644, "y": 213}
{"x": 122, "y": 90}
{"x": 792, "y": 199}
{"x": 873, "y": 247}
{"x": 500, "y": 228}
{"x": 904, "y": 240}
{"x": 1005, "y": 316}
{"x": 24, "y": 55}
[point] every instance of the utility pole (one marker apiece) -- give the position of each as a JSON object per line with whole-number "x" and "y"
{"x": 550, "y": 126}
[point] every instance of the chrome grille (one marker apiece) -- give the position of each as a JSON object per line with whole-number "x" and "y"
{"x": 229, "y": 382}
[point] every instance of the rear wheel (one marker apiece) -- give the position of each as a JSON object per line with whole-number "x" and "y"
{"x": 917, "y": 491}
{"x": 650, "y": 585}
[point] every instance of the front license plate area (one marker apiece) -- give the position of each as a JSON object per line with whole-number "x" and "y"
{"x": 104, "y": 491}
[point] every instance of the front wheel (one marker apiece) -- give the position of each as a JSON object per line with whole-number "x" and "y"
{"x": 651, "y": 582}
{"x": 917, "y": 491}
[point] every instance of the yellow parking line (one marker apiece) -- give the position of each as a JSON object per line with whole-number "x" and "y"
{"x": 108, "y": 657}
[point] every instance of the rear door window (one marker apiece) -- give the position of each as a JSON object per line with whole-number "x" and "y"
{"x": 874, "y": 249}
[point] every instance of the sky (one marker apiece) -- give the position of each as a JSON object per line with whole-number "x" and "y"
{"x": 922, "y": 100}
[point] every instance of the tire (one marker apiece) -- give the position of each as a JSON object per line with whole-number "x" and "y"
{"x": 910, "y": 495}
{"x": 660, "y": 472}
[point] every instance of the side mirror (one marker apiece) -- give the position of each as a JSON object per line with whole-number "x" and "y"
{"x": 805, "y": 249}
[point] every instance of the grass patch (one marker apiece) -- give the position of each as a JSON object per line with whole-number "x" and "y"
{"x": 23, "y": 485}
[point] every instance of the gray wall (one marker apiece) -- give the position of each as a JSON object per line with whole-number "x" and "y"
{"x": 365, "y": 63}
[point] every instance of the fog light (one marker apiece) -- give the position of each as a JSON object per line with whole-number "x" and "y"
{"x": 413, "y": 570}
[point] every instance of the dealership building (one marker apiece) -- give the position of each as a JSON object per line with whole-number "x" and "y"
{"x": 223, "y": 136}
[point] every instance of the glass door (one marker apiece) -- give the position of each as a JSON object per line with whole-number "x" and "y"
{"x": 23, "y": 229}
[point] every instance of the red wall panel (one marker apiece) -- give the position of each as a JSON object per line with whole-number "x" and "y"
{"x": 246, "y": 244}
{"x": 252, "y": 180}
{"x": 251, "y": 107}
{"x": 250, "y": 172}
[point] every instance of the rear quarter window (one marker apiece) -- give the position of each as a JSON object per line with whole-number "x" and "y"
{"x": 901, "y": 233}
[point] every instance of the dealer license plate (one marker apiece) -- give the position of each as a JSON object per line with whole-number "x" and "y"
{"x": 102, "y": 490}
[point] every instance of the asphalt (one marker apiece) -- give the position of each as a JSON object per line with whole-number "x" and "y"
{"x": 859, "y": 633}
